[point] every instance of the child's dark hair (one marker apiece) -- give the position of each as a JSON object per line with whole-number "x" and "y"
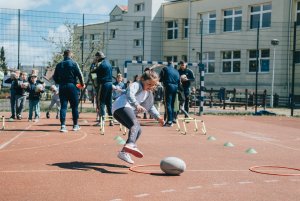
{"x": 150, "y": 75}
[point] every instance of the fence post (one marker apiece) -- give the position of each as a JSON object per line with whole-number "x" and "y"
{"x": 246, "y": 95}
{"x": 201, "y": 67}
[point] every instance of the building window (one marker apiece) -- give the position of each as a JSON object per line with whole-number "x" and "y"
{"x": 297, "y": 57}
{"x": 208, "y": 23}
{"x": 298, "y": 13}
{"x": 186, "y": 28}
{"x": 184, "y": 58}
{"x": 137, "y": 43}
{"x": 208, "y": 59}
{"x": 171, "y": 58}
{"x": 260, "y": 15}
{"x": 112, "y": 33}
{"x": 231, "y": 61}
{"x": 263, "y": 58}
{"x": 137, "y": 58}
{"x": 138, "y": 25}
{"x": 232, "y": 20}
{"x": 139, "y": 7}
{"x": 172, "y": 29}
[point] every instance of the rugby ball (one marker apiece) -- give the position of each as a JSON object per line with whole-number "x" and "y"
{"x": 39, "y": 88}
{"x": 172, "y": 165}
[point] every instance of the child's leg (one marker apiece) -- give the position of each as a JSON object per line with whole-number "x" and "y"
{"x": 38, "y": 109}
{"x": 30, "y": 109}
{"x": 127, "y": 117}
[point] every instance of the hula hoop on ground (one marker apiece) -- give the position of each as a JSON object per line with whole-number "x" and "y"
{"x": 253, "y": 169}
{"x": 133, "y": 169}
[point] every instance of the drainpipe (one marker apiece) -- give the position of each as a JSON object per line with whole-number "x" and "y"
{"x": 289, "y": 47}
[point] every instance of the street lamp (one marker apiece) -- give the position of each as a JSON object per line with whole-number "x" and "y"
{"x": 274, "y": 42}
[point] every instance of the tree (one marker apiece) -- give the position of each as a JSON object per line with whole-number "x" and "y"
{"x": 3, "y": 63}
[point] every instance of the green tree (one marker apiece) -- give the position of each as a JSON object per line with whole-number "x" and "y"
{"x": 3, "y": 63}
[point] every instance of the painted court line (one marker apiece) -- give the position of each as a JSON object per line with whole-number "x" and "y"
{"x": 168, "y": 191}
{"x": 194, "y": 187}
{"x": 142, "y": 195}
{"x": 2, "y": 146}
{"x": 220, "y": 184}
{"x": 51, "y": 145}
{"x": 118, "y": 199}
{"x": 245, "y": 182}
{"x": 271, "y": 181}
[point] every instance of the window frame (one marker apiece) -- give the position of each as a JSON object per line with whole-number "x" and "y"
{"x": 174, "y": 29}
{"x": 232, "y": 60}
{"x": 185, "y": 28}
{"x": 206, "y": 61}
{"x": 137, "y": 42}
{"x": 260, "y": 59}
{"x": 233, "y": 18}
{"x": 139, "y": 7}
{"x": 297, "y": 13}
{"x": 261, "y": 13}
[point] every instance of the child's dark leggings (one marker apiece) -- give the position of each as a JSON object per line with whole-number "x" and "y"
{"x": 127, "y": 118}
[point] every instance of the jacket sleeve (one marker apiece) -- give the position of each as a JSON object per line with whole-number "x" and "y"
{"x": 191, "y": 76}
{"x": 131, "y": 92}
{"x": 79, "y": 74}
{"x": 56, "y": 75}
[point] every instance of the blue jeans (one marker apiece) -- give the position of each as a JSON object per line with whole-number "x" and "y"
{"x": 104, "y": 98}
{"x": 21, "y": 100}
{"x": 170, "y": 95}
{"x": 13, "y": 103}
{"x": 68, "y": 93}
{"x": 34, "y": 106}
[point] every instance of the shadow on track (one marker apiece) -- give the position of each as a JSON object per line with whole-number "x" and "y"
{"x": 86, "y": 166}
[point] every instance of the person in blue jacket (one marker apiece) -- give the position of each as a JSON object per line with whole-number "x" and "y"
{"x": 66, "y": 74}
{"x": 186, "y": 77}
{"x": 103, "y": 69}
{"x": 169, "y": 76}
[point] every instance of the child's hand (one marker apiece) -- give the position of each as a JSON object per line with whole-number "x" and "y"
{"x": 140, "y": 109}
{"x": 161, "y": 121}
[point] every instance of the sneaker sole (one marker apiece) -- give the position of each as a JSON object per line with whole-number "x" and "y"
{"x": 76, "y": 129}
{"x": 133, "y": 152}
{"x": 125, "y": 160}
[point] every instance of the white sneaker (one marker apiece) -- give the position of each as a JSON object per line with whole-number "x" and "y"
{"x": 76, "y": 128}
{"x": 132, "y": 149}
{"x": 63, "y": 129}
{"x": 125, "y": 157}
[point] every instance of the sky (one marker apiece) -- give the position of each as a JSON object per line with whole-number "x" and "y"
{"x": 69, "y": 6}
{"x": 36, "y": 25}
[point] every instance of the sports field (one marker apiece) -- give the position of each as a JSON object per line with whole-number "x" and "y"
{"x": 37, "y": 162}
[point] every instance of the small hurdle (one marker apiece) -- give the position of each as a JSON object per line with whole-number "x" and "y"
{"x": 3, "y": 123}
{"x": 110, "y": 118}
{"x": 187, "y": 120}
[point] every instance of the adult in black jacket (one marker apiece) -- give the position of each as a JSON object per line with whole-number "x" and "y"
{"x": 66, "y": 74}
{"x": 169, "y": 76}
{"x": 186, "y": 76}
{"x": 103, "y": 69}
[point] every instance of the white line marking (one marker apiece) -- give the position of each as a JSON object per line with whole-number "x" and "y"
{"x": 271, "y": 181}
{"x": 51, "y": 145}
{"x": 220, "y": 184}
{"x": 141, "y": 195}
{"x": 194, "y": 187}
{"x": 245, "y": 182}
{"x": 118, "y": 199}
{"x": 167, "y": 191}
{"x": 14, "y": 138}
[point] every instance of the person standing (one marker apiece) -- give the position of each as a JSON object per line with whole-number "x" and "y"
{"x": 54, "y": 100}
{"x": 186, "y": 77}
{"x": 21, "y": 94}
{"x": 137, "y": 99}
{"x": 118, "y": 87}
{"x": 14, "y": 76}
{"x": 35, "y": 90}
{"x": 103, "y": 69}
{"x": 66, "y": 74}
{"x": 169, "y": 76}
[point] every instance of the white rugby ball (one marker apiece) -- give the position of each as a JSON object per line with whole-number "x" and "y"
{"x": 39, "y": 88}
{"x": 172, "y": 165}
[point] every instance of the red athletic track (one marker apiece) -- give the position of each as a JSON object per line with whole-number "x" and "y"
{"x": 38, "y": 163}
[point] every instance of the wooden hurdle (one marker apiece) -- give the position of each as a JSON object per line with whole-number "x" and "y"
{"x": 187, "y": 120}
